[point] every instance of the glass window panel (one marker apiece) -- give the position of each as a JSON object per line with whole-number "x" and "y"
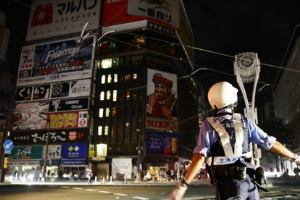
{"x": 107, "y": 111}
{"x": 106, "y": 63}
{"x": 101, "y": 150}
{"x": 101, "y": 112}
{"x": 103, "y": 79}
{"x": 115, "y": 95}
{"x": 109, "y": 78}
{"x": 115, "y": 78}
{"x": 108, "y": 95}
{"x": 99, "y": 130}
{"x": 102, "y": 96}
{"x": 106, "y": 130}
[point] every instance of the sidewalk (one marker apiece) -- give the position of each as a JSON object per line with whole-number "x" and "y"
{"x": 100, "y": 182}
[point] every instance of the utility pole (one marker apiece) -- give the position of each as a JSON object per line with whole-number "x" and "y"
{"x": 247, "y": 69}
{"x": 5, "y": 137}
{"x": 46, "y": 150}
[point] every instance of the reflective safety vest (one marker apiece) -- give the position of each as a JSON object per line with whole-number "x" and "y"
{"x": 233, "y": 140}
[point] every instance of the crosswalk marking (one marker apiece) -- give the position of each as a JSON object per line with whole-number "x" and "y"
{"x": 76, "y": 188}
{"x": 120, "y": 194}
{"x": 141, "y": 198}
{"x": 92, "y": 190}
{"x": 106, "y": 192}
{"x": 65, "y": 186}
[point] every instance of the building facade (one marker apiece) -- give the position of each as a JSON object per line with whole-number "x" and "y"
{"x": 107, "y": 82}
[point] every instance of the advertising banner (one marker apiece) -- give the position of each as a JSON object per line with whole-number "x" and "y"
{"x": 50, "y": 18}
{"x": 162, "y": 100}
{"x": 60, "y": 90}
{"x": 57, "y": 90}
{"x": 166, "y": 11}
{"x": 74, "y": 151}
{"x": 162, "y": 143}
{"x": 69, "y": 104}
{"x": 34, "y": 152}
{"x": 56, "y": 61}
{"x": 29, "y": 116}
{"x": 23, "y": 94}
{"x": 54, "y": 152}
{"x": 41, "y": 92}
{"x": 68, "y": 120}
{"x": 80, "y": 88}
{"x": 55, "y": 136}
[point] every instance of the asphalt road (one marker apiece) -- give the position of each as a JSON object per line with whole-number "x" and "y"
{"x": 151, "y": 192}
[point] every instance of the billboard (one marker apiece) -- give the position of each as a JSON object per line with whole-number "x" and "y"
{"x": 161, "y": 12}
{"x": 34, "y": 116}
{"x": 162, "y": 143}
{"x": 34, "y": 152}
{"x": 55, "y": 136}
{"x": 56, "y": 61}
{"x": 74, "y": 151}
{"x": 166, "y": 11}
{"x": 30, "y": 116}
{"x": 69, "y": 104}
{"x": 54, "y": 90}
{"x": 50, "y": 18}
{"x": 68, "y": 120}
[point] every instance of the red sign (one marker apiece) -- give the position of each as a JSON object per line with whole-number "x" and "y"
{"x": 161, "y": 124}
{"x": 115, "y": 12}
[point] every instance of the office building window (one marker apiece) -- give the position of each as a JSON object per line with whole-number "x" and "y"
{"x": 101, "y": 112}
{"x": 99, "y": 130}
{"x": 113, "y": 112}
{"x": 106, "y": 130}
{"x": 127, "y": 77}
{"x": 109, "y": 78}
{"x": 115, "y": 92}
{"x": 115, "y": 78}
{"x": 108, "y": 95}
{"x": 103, "y": 79}
{"x": 101, "y": 150}
{"x": 102, "y": 96}
{"x": 134, "y": 76}
{"x": 106, "y": 63}
{"x": 107, "y": 111}
{"x": 127, "y": 95}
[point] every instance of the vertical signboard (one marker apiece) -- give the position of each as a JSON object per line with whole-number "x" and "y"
{"x": 50, "y": 18}
{"x": 56, "y": 61}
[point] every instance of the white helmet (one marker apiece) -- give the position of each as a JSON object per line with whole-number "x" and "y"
{"x": 222, "y": 94}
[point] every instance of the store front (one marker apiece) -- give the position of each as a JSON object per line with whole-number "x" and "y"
{"x": 24, "y": 163}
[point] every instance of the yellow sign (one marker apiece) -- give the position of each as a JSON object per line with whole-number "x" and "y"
{"x": 92, "y": 153}
{"x": 5, "y": 163}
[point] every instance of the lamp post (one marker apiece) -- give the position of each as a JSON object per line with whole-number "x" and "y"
{"x": 247, "y": 69}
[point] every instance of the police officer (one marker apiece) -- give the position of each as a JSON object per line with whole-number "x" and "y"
{"x": 223, "y": 144}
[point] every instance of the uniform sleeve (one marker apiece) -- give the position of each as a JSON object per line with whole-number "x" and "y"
{"x": 258, "y": 136}
{"x": 204, "y": 140}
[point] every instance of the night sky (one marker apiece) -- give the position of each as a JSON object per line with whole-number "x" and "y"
{"x": 231, "y": 27}
{"x": 228, "y": 27}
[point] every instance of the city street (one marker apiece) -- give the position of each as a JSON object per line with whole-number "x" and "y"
{"x": 81, "y": 191}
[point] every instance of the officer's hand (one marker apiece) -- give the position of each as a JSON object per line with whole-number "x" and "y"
{"x": 178, "y": 192}
{"x": 298, "y": 160}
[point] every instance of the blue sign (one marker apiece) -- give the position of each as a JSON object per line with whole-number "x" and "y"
{"x": 8, "y": 145}
{"x": 74, "y": 151}
{"x": 72, "y": 162}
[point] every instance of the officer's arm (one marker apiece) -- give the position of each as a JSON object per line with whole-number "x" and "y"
{"x": 197, "y": 162}
{"x": 278, "y": 148}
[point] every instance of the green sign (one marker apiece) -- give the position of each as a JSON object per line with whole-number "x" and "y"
{"x": 35, "y": 152}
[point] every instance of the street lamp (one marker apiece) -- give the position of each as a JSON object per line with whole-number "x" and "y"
{"x": 247, "y": 69}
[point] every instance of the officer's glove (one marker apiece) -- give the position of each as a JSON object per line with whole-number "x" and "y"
{"x": 298, "y": 160}
{"x": 178, "y": 192}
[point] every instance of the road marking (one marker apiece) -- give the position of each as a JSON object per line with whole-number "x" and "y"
{"x": 76, "y": 188}
{"x": 141, "y": 198}
{"x": 106, "y": 192}
{"x": 65, "y": 186}
{"x": 92, "y": 190}
{"x": 120, "y": 194}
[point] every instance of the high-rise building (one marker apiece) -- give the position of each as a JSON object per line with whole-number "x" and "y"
{"x": 107, "y": 82}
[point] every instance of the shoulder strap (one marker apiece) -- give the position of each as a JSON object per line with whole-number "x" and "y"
{"x": 239, "y": 134}
{"x": 225, "y": 140}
